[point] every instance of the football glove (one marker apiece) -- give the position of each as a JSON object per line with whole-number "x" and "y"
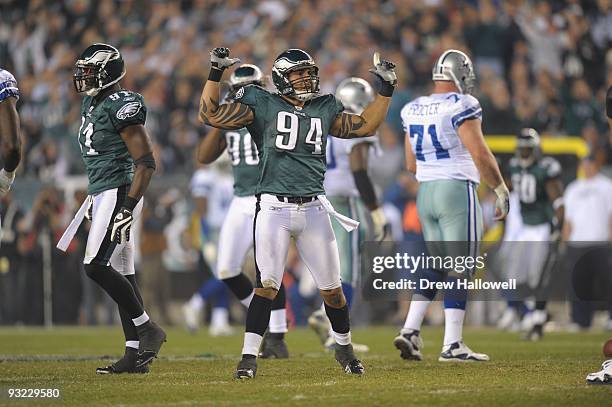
{"x": 502, "y": 204}
{"x": 6, "y": 180}
{"x": 384, "y": 70}
{"x": 120, "y": 232}
{"x": 219, "y": 58}
{"x": 382, "y": 228}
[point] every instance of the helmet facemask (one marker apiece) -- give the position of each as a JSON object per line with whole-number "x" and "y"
{"x": 98, "y": 69}
{"x": 528, "y": 147}
{"x": 304, "y": 87}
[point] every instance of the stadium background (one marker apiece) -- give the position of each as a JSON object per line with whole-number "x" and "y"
{"x": 544, "y": 64}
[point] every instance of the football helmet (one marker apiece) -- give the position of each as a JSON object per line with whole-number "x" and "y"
{"x": 355, "y": 94}
{"x": 527, "y": 147}
{"x": 302, "y": 89}
{"x": 454, "y": 65}
{"x": 245, "y": 74}
{"x": 97, "y": 68}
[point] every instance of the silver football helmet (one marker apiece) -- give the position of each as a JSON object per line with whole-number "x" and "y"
{"x": 454, "y": 65}
{"x": 355, "y": 94}
{"x": 245, "y": 74}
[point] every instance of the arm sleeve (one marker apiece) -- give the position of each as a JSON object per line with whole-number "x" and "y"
{"x": 465, "y": 108}
{"x": 128, "y": 110}
{"x": 8, "y": 85}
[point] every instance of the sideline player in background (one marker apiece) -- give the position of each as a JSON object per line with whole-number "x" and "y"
{"x": 10, "y": 139}
{"x": 604, "y": 376}
{"x": 537, "y": 182}
{"x": 446, "y": 149}
{"x": 117, "y": 153}
{"x": 236, "y": 237}
{"x": 291, "y": 203}
{"x": 349, "y": 187}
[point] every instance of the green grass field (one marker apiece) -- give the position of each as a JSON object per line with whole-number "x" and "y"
{"x": 197, "y": 370}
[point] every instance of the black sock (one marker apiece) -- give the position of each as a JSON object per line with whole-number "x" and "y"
{"x": 117, "y": 287}
{"x": 258, "y": 315}
{"x": 240, "y": 285}
{"x": 129, "y": 329}
{"x": 339, "y": 318}
{"x": 279, "y": 301}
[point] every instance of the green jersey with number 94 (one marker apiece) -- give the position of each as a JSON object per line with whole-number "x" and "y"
{"x": 107, "y": 159}
{"x": 293, "y": 140}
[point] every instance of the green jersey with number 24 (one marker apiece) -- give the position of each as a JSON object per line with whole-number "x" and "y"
{"x": 107, "y": 159}
{"x": 530, "y": 184}
{"x": 292, "y": 140}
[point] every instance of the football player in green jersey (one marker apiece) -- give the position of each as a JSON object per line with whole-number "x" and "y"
{"x": 536, "y": 180}
{"x": 236, "y": 235}
{"x": 117, "y": 153}
{"x": 291, "y": 126}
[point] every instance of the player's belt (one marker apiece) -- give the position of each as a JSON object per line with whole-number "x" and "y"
{"x": 300, "y": 200}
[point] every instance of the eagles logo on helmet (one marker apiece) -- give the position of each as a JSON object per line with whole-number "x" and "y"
{"x": 245, "y": 74}
{"x": 98, "y": 67}
{"x": 527, "y": 147}
{"x": 302, "y": 89}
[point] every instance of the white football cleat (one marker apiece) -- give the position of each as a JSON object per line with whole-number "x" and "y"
{"x": 507, "y": 320}
{"x": 221, "y": 330}
{"x": 191, "y": 317}
{"x": 604, "y": 376}
{"x": 319, "y": 323}
{"x": 409, "y": 344}
{"x": 459, "y": 352}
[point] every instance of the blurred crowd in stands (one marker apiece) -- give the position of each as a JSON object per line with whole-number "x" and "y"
{"x": 542, "y": 63}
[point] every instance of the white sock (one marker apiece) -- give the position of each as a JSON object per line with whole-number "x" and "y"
{"x": 278, "y": 321}
{"x": 252, "y": 342}
{"x": 132, "y": 344}
{"x": 143, "y": 319}
{"x": 247, "y": 301}
{"x": 416, "y": 313}
{"x": 196, "y": 302}
{"x": 453, "y": 325}
{"x": 219, "y": 317}
{"x": 342, "y": 339}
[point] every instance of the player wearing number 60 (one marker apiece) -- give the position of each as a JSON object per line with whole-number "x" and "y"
{"x": 117, "y": 153}
{"x": 446, "y": 149}
{"x": 290, "y": 129}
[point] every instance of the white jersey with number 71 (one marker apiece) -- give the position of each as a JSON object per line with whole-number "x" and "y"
{"x": 431, "y": 124}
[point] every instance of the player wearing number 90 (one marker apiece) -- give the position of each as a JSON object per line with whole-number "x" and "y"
{"x": 446, "y": 149}
{"x": 292, "y": 125}
{"x": 117, "y": 153}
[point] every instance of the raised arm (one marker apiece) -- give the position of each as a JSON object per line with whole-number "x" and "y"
{"x": 211, "y": 146}
{"x": 365, "y": 124}
{"x": 229, "y": 116}
{"x": 472, "y": 138}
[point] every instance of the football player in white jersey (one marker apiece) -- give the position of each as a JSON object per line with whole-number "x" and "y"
{"x": 446, "y": 149}
{"x": 10, "y": 140}
{"x": 350, "y": 190}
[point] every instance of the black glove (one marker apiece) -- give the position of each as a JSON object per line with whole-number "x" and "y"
{"x": 120, "y": 232}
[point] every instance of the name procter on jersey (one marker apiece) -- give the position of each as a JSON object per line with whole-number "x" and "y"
{"x": 8, "y": 85}
{"x": 108, "y": 162}
{"x": 244, "y": 156}
{"x": 292, "y": 139}
{"x": 431, "y": 123}
{"x": 530, "y": 185}
{"x": 339, "y": 179}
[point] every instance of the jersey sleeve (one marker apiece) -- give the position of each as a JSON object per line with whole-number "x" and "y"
{"x": 8, "y": 85}
{"x": 252, "y": 96}
{"x": 465, "y": 107}
{"x": 338, "y": 107}
{"x": 127, "y": 109}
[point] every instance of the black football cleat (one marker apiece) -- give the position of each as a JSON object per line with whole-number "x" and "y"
{"x": 346, "y": 357}
{"x": 246, "y": 369}
{"x": 151, "y": 338}
{"x": 127, "y": 364}
{"x": 273, "y": 346}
